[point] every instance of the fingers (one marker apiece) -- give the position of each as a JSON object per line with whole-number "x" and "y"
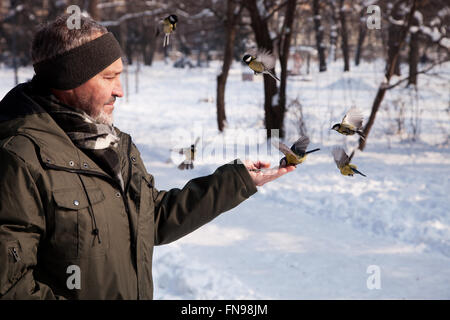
{"x": 261, "y": 164}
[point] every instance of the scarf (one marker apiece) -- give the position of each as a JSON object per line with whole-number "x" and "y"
{"x": 97, "y": 140}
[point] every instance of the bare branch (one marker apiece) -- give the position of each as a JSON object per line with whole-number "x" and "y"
{"x": 418, "y": 72}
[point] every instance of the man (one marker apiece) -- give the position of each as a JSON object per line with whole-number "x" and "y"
{"x": 79, "y": 213}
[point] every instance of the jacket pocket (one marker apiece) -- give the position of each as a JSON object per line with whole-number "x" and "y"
{"x": 14, "y": 265}
{"x": 80, "y": 227}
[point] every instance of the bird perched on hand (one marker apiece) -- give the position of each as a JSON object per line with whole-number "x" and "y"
{"x": 351, "y": 123}
{"x": 261, "y": 61}
{"x": 169, "y": 24}
{"x": 296, "y": 154}
{"x": 343, "y": 162}
{"x": 189, "y": 153}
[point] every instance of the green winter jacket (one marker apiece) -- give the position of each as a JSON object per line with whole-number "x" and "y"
{"x": 52, "y": 195}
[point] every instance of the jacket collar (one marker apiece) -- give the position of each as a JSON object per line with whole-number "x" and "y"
{"x": 20, "y": 114}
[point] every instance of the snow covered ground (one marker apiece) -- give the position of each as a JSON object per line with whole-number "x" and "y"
{"x": 312, "y": 234}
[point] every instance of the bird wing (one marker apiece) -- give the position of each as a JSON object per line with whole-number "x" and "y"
{"x": 180, "y": 150}
{"x": 354, "y": 118}
{"x": 299, "y": 146}
{"x": 283, "y": 148}
{"x": 340, "y": 157}
{"x": 351, "y": 156}
{"x": 266, "y": 58}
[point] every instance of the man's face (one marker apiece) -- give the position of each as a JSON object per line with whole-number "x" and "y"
{"x": 96, "y": 96}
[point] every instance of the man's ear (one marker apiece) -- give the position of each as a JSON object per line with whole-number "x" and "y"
{"x": 65, "y": 96}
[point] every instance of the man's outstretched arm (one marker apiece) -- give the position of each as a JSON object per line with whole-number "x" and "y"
{"x": 181, "y": 211}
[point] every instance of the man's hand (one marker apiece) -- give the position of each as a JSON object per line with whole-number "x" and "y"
{"x": 261, "y": 174}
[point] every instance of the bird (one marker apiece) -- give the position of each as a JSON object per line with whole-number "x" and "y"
{"x": 169, "y": 24}
{"x": 261, "y": 61}
{"x": 189, "y": 153}
{"x": 351, "y": 123}
{"x": 296, "y": 154}
{"x": 343, "y": 162}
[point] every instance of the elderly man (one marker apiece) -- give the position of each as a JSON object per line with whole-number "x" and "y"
{"x": 79, "y": 213}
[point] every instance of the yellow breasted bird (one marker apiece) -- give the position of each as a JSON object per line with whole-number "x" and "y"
{"x": 169, "y": 24}
{"x": 343, "y": 162}
{"x": 189, "y": 153}
{"x": 296, "y": 154}
{"x": 261, "y": 61}
{"x": 351, "y": 123}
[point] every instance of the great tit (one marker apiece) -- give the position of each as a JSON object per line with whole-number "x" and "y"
{"x": 169, "y": 25}
{"x": 351, "y": 123}
{"x": 296, "y": 154}
{"x": 189, "y": 153}
{"x": 261, "y": 61}
{"x": 343, "y": 162}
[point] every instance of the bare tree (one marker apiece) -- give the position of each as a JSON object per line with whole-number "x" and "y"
{"x": 233, "y": 13}
{"x": 413, "y": 58}
{"x": 395, "y": 34}
{"x": 319, "y": 36}
{"x": 334, "y": 30}
{"x": 91, "y": 6}
{"x": 274, "y": 109}
{"x": 344, "y": 35}
{"x": 284, "y": 44}
{"x": 361, "y": 35}
{"x": 390, "y": 63}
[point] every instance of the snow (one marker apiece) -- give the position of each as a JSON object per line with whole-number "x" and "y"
{"x": 445, "y": 42}
{"x": 433, "y": 33}
{"x": 313, "y": 233}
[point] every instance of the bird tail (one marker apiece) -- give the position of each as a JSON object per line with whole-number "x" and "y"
{"x": 359, "y": 172}
{"x": 186, "y": 165}
{"x": 166, "y": 40}
{"x": 272, "y": 75}
{"x": 361, "y": 134}
{"x": 311, "y": 151}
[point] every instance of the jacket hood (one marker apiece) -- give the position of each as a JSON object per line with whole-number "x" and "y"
{"x": 20, "y": 113}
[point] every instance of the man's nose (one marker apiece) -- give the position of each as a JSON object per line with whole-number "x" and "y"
{"x": 117, "y": 90}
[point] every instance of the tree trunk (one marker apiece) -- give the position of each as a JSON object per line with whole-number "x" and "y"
{"x": 390, "y": 68}
{"x": 263, "y": 40}
{"x": 319, "y": 36}
{"x": 230, "y": 36}
{"x": 394, "y": 36}
{"x": 344, "y": 36}
{"x": 413, "y": 58}
{"x": 93, "y": 10}
{"x": 334, "y": 32}
{"x": 284, "y": 45}
{"x": 361, "y": 36}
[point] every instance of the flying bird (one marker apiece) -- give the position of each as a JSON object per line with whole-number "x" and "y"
{"x": 351, "y": 123}
{"x": 343, "y": 162}
{"x": 261, "y": 61}
{"x": 189, "y": 153}
{"x": 169, "y": 24}
{"x": 296, "y": 154}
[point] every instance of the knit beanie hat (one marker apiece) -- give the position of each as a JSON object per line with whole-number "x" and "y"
{"x": 74, "y": 67}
